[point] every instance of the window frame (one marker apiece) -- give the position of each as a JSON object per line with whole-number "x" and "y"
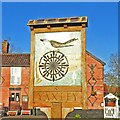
{"x": 12, "y": 98}
{"x": 17, "y": 94}
{"x": 25, "y": 98}
{"x": 15, "y": 81}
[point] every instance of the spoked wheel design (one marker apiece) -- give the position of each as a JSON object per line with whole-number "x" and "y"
{"x": 53, "y": 65}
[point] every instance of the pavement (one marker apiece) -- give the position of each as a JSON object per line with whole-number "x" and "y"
{"x": 23, "y": 117}
{"x": 31, "y": 117}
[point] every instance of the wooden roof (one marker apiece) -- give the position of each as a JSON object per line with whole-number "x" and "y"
{"x": 56, "y": 21}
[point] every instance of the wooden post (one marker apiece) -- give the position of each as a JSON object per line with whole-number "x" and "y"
{"x": 56, "y": 111}
{"x": 83, "y": 59}
{"x": 31, "y": 83}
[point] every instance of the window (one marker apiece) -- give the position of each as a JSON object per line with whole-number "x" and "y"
{"x": 15, "y": 76}
{"x": 13, "y": 97}
{"x": 17, "y": 97}
{"x": 25, "y": 98}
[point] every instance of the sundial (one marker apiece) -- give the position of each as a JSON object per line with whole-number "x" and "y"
{"x": 53, "y": 65}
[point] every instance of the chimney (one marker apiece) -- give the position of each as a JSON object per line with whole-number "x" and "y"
{"x": 5, "y": 46}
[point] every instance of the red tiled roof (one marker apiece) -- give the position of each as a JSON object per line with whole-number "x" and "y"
{"x": 15, "y": 60}
{"x": 24, "y": 59}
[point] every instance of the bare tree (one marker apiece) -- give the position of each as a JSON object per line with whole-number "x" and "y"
{"x": 13, "y": 48}
{"x": 112, "y": 75}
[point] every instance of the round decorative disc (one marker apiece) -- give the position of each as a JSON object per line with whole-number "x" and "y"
{"x": 53, "y": 65}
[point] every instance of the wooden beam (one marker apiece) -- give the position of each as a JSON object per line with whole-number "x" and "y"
{"x": 31, "y": 83}
{"x": 83, "y": 64}
{"x": 58, "y": 29}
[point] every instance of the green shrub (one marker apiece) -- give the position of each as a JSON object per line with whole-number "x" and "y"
{"x": 77, "y": 116}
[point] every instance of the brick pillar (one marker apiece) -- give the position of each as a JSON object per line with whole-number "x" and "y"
{"x": 5, "y": 46}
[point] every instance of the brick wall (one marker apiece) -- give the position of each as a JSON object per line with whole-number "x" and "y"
{"x": 98, "y": 74}
{"x": 99, "y": 86}
{"x": 6, "y": 84}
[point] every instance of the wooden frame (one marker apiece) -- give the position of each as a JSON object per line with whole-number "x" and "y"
{"x": 79, "y": 93}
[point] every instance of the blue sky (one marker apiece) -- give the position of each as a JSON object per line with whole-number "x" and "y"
{"x": 101, "y": 33}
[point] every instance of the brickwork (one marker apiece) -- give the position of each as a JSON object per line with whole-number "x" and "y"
{"x": 5, "y": 73}
{"x": 6, "y": 84}
{"x": 25, "y": 77}
{"x": 99, "y": 86}
{"x": 5, "y": 46}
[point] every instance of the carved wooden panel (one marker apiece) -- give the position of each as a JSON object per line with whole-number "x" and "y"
{"x": 70, "y": 92}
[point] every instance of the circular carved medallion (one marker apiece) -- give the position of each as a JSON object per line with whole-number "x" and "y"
{"x": 53, "y": 65}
